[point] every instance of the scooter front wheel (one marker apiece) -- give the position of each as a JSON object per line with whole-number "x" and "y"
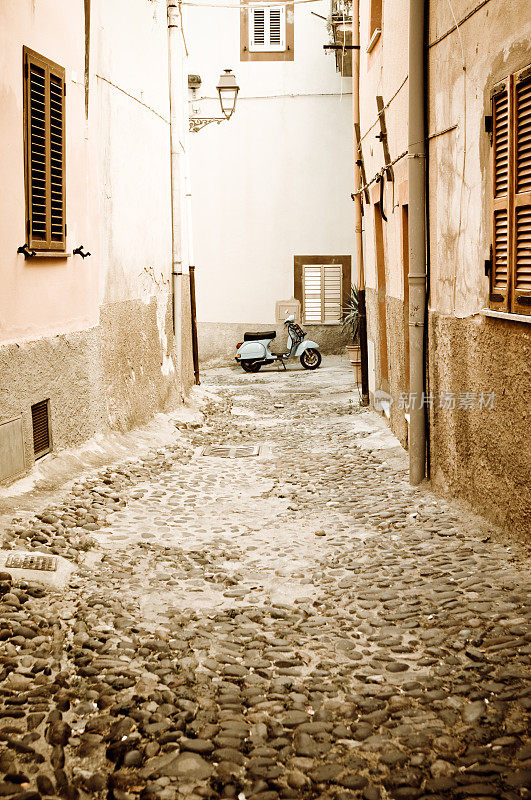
{"x": 311, "y": 358}
{"x": 251, "y": 366}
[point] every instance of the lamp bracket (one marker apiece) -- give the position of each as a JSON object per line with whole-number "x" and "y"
{"x": 196, "y": 123}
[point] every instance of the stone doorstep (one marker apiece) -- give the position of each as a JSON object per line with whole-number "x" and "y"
{"x": 56, "y": 579}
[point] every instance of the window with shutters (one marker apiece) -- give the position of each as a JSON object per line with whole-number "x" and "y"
{"x": 267, "y": 29}
{"x": 44, "y": 132}
{"x": 322, "y": 284}
{"x": 510, "y": 274}
{"x": 375, "y": 23}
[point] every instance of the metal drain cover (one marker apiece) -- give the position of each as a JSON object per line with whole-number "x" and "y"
{"x": 241, "y": 451}
{"x": 45, "y": 563}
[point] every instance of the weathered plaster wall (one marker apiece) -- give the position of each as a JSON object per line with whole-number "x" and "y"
{"x": 131, "y": 94}
{"x": 94, "y": 335}
{"x": 384, "y": 72}
{"x": 67, "y": 369}
{"x": 484, "y": 455}
{"x": 463, "y": 69}
{"x": 273, "y": 182}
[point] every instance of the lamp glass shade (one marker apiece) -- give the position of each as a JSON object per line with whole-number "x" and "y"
{"x": 228, "y": 92}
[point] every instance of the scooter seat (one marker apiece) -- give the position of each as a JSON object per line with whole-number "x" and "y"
{"x": 255, "y": 337}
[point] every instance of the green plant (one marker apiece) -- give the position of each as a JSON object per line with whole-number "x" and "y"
{"x": 351, "y": 320}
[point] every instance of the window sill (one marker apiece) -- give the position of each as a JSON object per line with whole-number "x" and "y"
{"x": 487, "y": 312}
{"x": 51, "y": 254}
{"x": 322, "y": 324}
{"x": 374, "y": 38}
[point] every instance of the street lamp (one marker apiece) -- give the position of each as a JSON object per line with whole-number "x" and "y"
{"x": 228, "y": 92}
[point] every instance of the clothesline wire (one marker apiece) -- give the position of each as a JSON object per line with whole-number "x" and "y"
{"x": 245, "y": 6}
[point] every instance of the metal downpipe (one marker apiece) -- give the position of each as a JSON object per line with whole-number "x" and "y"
{"x": 176, "y": 84}
{"x": 358, "y": 217}
{"x": 417, "y": 240}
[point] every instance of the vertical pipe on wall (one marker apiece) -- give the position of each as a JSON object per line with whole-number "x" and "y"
{"x": 176, "y": 83}
{"x": 358, "y": 220}
{"x": 191, "y": 257}
{"x": 417, "y": 239}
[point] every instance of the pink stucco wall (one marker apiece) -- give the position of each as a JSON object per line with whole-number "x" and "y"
{"x": 44, "y": 297}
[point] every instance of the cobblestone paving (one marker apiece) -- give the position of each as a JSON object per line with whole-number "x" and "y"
{"x": 299, "y": 624}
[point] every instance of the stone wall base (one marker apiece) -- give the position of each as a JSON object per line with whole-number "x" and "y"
{"x": 116, "y": 375}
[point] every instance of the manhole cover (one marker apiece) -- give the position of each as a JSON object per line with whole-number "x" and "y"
{"x": 243, "y": 451}
{"x": 46, "y": 563}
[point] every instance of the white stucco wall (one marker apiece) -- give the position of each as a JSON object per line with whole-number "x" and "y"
{"x": 274, "y": 181}
{"x": 132, "y": 146}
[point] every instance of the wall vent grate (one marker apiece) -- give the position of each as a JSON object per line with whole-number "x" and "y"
{"x": 40, "y": 419}
{"x": 44, "y": 563}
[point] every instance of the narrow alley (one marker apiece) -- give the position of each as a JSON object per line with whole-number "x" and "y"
{"x": 265, "y": 608}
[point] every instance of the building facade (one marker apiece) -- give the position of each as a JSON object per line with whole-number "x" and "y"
{"x": 478, "y": 333}
{"x": 86, "y": 342}
{"x": 271, "y": 197}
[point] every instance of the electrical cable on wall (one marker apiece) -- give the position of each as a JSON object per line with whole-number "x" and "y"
{"x": 458, "y": 29}
{"x": 252, "y": 4}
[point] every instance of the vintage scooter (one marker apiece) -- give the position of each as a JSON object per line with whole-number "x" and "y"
{"x": 255, "y": 350}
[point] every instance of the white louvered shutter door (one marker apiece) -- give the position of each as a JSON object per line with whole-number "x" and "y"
{"x": 332, "y": 293}
{"x": 257, "y": 22}
{"x": 277, "y": 28}
{"x": 312, "y": 290}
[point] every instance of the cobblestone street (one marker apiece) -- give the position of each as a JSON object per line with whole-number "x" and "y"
{"x": 301, "y": 623}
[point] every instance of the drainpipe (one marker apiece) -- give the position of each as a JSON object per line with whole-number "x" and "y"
{"x": 417, "y": 239}
{"x": 177, "y": 140}
{"x": 358, "y": 223}
{"x": 191, "y": 259}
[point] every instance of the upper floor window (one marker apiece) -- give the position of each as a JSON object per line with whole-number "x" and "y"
{"x": 44, "y": 151}
{"x": 375, "y": 23}
{"x": 510, "y": 274}
{"x": 267, "y": 29}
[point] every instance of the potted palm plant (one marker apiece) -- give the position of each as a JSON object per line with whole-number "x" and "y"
{"x": 351, "y": 326}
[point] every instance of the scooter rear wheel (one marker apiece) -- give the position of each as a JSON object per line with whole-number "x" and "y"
{"x": 311, "y": 358}
{"x": 251, "y": 366}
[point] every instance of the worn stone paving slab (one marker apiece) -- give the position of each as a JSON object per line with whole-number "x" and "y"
{"x": 305, "y": 625}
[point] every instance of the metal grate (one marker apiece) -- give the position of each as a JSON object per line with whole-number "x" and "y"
{"x": 242, "y": 451}
{"x": 40, "y": 418}
{"x": 45, "y": 563}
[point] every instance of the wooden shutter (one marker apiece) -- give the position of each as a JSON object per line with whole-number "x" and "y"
{"x": 267, "y": 29}
{"x": 332, "y": 292}
{"x": 322, "y": 293}
{"x": 521, "y": 287}
{"x": 44, "y": 126}
{"x": 501, "y": 187}
{"x": 312, "y": 294}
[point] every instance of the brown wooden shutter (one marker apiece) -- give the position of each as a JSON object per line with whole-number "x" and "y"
{"x": 44, "y": 115}
{"x": 501, "y": 188}
{"x": 521, "y": 286}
